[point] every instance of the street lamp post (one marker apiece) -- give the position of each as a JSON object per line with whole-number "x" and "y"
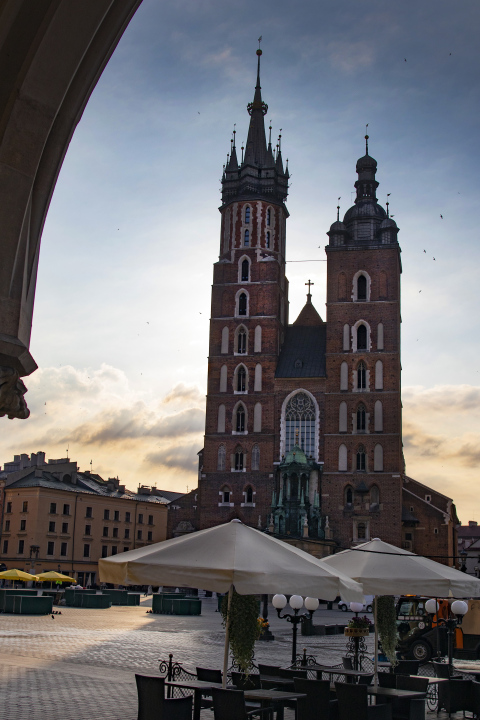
{"x": 296, "y": 603}
{"x": 458, "y": 608}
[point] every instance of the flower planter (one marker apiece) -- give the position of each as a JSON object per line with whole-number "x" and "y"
{"x": 356, "y": 632}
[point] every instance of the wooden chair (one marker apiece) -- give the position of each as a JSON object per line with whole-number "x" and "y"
{"x": 208, "y": 675}
{"x": 353, "y": 703}
{"x": 151, "y": 695}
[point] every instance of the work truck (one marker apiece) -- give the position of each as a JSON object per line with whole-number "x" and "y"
{"x": 422, "y": 636}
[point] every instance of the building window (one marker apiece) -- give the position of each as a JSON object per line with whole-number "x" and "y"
{"x": 361, "y": 527}
{"x": 249, "y": 495}
{"x": 114, "y": 550}
{"x": 127, "y": 517}
{"x": 268, "y": 239}
{"x": 139, "y": 534}
{"x": 106, "y": 514}
{"x": 241, "y": 341}
{"x": 50, "y": 548}
{"x": 127, "y": 533}
{"x": 269, "y": 216}
{"x": 88, "y": 512}
{"x": 150, "y": 519}
{"x": 86, "y": 551}
{"x": 238, "y": 462}
{"x": 247, "y": 214}
{"x": 126, "y": 549}
{"x": 64, "y": 527}
{"x": 66, "y": 509}
{"x": 51, "y": 526}
{"x": 374, "y": 495}
{"x": 88, "y": 529}
{"x": 21, "y": 547}
{"x": 408, "y": 536}
{"x": 256, "y": 457}
{"x": 150, "y": 536}
{"x": 7, "y": 525}
{"x": 435, "y": 531}
{"x": 349, "y": 496}
{"x": 361, "y": 418}
{"x": 63, "y": 549}
{"x": 245, "y": 275}
{"x": 246, "y": 238}
{"x": 104, "y": 550}
{"x": 221, "y": 458}
{"x": 53, "y": 508}
{"x": 300, "y": 415}
{"x": 5, "y": 547}
{"x": 140, "y": 518}
{"x": 9, "y": 507}
{"x": 105, "y": 531}
{"x": 225, "y": 494}
{"x": 362, "y": 337}
{"x": 241, "y": 379}
{"x": 240, "y": 419}
{"x": 25, "y": 507}
{"x": 115, "y": 533}
{"x": 361, "y": 459}
{"x": 242, "y": 304}
{"x": 23, "y": 525}
{"x": 361, "y": 287}
{"x": 116, "y": 515}
{"x": 361, "y": 375}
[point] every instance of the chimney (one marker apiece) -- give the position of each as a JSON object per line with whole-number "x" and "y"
{"x": 472, "y": 523}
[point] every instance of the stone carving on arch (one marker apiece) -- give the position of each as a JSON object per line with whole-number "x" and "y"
{"x": 283, "y": 421}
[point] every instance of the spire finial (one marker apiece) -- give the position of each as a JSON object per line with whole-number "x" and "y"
{"x": 270, "y": 133}
{"x": 234, "y": 133}
{"x": 259, "y": 53}
{"x": 366, "y": 139}
{"x": 243, "y": 148}
{"x": 309, "y": 294}
{"x": 387, "y": 204}
{"x": 280, "y": 141}
{"x": 338, "y": 208}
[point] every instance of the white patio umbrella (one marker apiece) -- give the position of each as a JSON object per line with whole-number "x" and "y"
{"x": 225, "y": 556}
{"x": 384, "y": 569}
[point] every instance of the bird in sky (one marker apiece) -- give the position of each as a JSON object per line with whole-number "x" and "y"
{"x": 434, "y": 258}
{"x": 424, "y": 251}
{"x": 441, "y": 216}
{"x": 405, "y": 59}
{"x": 419, "y": 291}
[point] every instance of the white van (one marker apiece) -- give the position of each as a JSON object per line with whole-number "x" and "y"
{"x": 367, "y": 604}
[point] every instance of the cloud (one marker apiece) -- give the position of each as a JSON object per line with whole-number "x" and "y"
{"x": 178, "y": 457}
{"x": 183, "y": 393}
{"x": 350, "y": 57}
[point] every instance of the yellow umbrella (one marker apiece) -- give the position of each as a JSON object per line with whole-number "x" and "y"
{"x": 17, "y": 575}
{"x": 52, "y": 576}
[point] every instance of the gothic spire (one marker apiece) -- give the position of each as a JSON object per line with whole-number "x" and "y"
{"x": 256, "y": 150}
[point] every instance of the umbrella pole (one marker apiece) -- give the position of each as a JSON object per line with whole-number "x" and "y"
{"x": 227, "y": 628}
{"x": 375, "y": 657}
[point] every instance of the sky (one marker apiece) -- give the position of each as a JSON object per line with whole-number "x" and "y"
{"x": 121, "y": 320}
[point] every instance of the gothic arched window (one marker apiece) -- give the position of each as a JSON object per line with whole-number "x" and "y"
{"x": 361, "y": 418}
{"x": 249, "y": 495}
{"x": 242, "y": 341}
{"x": 245, "y": 275}
{"x": 268, "y": 239}
{"x": 246, "y": 238}
{"x": 221, "y": 458}
{"x": 349, "y": 496}
{"x": 361, "y": 376}
{"x": 269, "y": 216}
{"x": 361, "y": 287}
{"x": 300, "y": 416}
{"x": 247, "y": 214}
{"x": 241, "y": 379}
{"x": 239, "y": 460}
{"x": 255, "y": 457}
{"x": 225, "y": 494}
{"x": 242, "y": 305}
{"x": 362, "y": 337}
{"x": 361, "y": 459}
{"x": 240, "y": 419}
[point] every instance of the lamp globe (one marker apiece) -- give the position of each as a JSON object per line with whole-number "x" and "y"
{"x": 356, "y": 607}
{"x": 296, "y": 602}
{"x": 431, "y": 606}
{"x": 279, "y": 602}
{"x": 459, "y": 607}
{"x": 311, "y": 604}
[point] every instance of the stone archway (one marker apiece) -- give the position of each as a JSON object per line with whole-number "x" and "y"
{"x": 52, "y": 53}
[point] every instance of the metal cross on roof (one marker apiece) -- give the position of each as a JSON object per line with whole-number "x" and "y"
{"x": 309, "y": 283}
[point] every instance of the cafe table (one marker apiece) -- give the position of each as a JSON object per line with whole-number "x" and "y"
{"x": 276, "y": 698}
{"x": 199, "y": 687}
{"x": 331, "y": 671}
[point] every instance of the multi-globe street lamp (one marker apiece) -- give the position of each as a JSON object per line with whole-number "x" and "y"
{"x": 296, "y": 603}
{"x": 458, "y": 608}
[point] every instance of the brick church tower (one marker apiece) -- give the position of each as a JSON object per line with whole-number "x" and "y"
{"x": 248, "y": 318}
{"x": 363, "y": 462}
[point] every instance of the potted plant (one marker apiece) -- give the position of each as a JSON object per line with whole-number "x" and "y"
{"x": 358, "y": 627}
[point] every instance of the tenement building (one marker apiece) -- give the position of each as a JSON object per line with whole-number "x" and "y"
{"x": 56, "y": 517}
{"x": 303, "y": 434}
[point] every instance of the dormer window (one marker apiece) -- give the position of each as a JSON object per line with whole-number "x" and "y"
{"x": 246, "y": 238}
{"x": 247, "y": 214}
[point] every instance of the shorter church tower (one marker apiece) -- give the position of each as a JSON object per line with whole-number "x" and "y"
{"x": 248, "y": 318}
{"x": 364, "y": 467}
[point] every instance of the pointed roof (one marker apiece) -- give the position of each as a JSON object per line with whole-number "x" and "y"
{"x": 308, "y": 317}
{"x": 256, "y": 148}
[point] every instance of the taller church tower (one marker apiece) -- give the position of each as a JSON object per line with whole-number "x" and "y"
{"x": 249, "y": 314}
